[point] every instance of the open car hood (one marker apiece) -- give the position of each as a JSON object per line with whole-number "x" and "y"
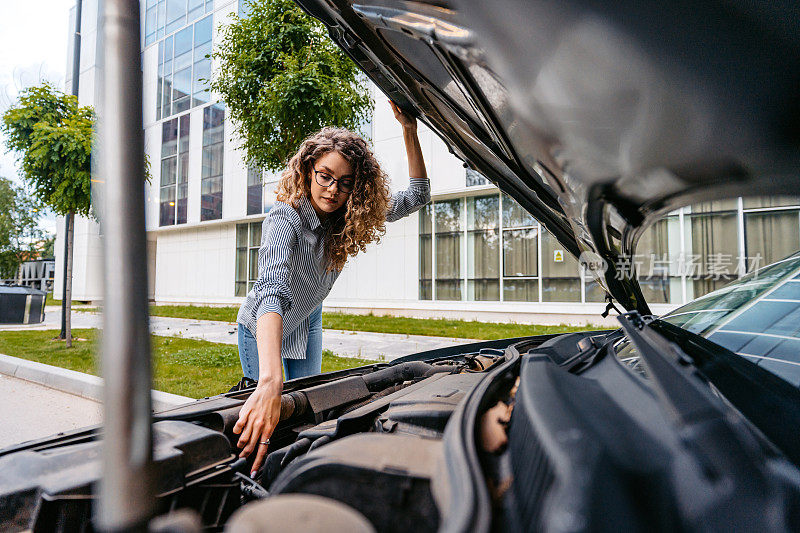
{"x": 598, "y": 118}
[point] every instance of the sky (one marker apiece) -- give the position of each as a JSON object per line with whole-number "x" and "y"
{"x": 34, "y": 36}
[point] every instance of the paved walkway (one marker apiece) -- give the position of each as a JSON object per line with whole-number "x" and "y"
{"x": 31, "y": 411}
{"x": 365, "y": 345}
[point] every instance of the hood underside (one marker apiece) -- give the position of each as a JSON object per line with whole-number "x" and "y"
{"x": 598, "y": 118}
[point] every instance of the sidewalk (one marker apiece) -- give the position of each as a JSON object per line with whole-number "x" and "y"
{"x": 32, "y": 411}
{"x": 361, "y": 344}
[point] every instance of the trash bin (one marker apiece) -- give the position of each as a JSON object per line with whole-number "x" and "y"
{"x": 21, "y": 305}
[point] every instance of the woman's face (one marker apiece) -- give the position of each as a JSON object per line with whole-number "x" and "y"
{"x": 327, "y": 199}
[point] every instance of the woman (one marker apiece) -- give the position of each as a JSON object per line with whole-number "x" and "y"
{"x": 333, "y": 200}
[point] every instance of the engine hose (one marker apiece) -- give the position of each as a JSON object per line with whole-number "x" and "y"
{"x": 293, "y": 403}
{"x": 296, "y": 449}
{"x": 325, "y": 439}
{"x": 380, "y": 379}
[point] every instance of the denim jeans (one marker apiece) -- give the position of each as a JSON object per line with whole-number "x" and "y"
{"x": 292, "y": 368}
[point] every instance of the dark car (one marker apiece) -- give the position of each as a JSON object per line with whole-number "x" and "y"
{"x": 599, "y": 119}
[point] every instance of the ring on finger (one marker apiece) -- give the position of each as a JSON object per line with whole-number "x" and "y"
{"x": 264, "y": 442}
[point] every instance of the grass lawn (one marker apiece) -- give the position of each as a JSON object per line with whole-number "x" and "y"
{"x": 385, "y": 324}
{"x": 187, "y": 367}
{"x": 195, "y": 312}
{"x": 53, "y": 301}
{"x": 441, "y": 327}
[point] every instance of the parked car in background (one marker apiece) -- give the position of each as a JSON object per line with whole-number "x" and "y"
{"x": 599, "y": 119}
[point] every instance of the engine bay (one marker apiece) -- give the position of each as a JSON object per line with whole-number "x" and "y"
{"x": 543, "y": 433}
{"x": 369, "y": 437}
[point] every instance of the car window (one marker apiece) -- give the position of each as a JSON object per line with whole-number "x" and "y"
{"x": 712, "y": 258}
{"x": 757, "y": 317}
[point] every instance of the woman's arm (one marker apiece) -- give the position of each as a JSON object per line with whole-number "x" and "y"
{"x": 419, "y": 191}
{"x": 272, "y": 299}
{"x": 261, "y": 412}
{"x": 416, "y": 165}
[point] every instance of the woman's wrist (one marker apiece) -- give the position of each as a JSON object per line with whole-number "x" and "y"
{"x": 271, "y": 381}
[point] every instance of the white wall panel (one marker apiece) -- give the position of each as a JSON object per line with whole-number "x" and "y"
{"x": 234, "y": 182}
{"x": 196, "y": 264}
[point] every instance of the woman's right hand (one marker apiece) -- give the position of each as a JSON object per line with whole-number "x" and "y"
{"x": 257, "y": 420}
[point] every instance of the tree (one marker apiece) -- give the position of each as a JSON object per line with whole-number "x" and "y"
{"x": 20, "y": 234}
{"x": 282, "y": 79}
{"x": 47, "y": 246}
{"x": 53, "y": 136}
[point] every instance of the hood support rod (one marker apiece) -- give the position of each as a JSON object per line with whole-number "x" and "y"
{"x": 127, "y": 487}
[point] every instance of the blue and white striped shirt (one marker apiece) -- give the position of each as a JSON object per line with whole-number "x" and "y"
{"x": 292, "y": 278}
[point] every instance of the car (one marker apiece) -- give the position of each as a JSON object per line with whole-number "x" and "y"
{"x": 599, "y": 119}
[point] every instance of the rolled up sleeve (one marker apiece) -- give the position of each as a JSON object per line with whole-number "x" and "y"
{"x": 410, "y": 200}
{"x": 279, "y": 238}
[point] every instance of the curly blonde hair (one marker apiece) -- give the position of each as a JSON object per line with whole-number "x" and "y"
{"x": 362, "y": 219}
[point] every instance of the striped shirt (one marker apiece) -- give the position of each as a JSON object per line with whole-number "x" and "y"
{"x": 292, "y": 278}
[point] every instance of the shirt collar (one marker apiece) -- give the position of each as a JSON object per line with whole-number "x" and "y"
{"x": 308, "y": 214}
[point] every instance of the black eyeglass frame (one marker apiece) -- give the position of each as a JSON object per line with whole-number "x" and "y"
{"x": 340, "y": 186}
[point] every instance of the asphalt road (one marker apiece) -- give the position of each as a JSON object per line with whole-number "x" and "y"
{"x": 30, "y": 411}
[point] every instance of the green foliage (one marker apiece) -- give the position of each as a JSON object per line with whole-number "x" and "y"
{"x": 53, "y": 136}
{"x": 20, "y": 234}
{"x": 282, "y": 79}
{"x": 48, "y": 246}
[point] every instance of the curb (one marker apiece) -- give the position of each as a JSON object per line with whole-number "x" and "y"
{"x": 77, "y": 383}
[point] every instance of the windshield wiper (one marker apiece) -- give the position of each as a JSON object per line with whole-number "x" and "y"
{"x": 680, "y": 363}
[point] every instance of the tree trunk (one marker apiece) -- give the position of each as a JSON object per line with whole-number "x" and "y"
{"x": 68, "y": 280}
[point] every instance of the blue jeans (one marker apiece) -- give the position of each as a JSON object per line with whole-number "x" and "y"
{"x": 292, "y": 368}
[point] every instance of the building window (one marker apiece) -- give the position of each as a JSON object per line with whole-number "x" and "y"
{"x": 255, "y": 190}
{"x": 520, "y": 253}
{"x": 560, "y": 272}
{"x": 771, "y": 236}
{"x": 483, "y": 245}
{"x": 659, "y": 273}
{"x": 474, "y": 178}
{"x": 495, "y": 249}
{"x": 711, "y": 234}
{"x": 184, "y": 69}
{"x": 448, "y": 226}
{"x": 425, "y": 253}
{"x": 163, "y": 17}
{"x": 248, "y": 240}
{"x": 213, "y": 157}
{"x": 174, "y": 171}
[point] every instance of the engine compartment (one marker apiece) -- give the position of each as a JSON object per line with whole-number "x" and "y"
{"x": 544, "y": 433}
{"x": 369, "y": 437}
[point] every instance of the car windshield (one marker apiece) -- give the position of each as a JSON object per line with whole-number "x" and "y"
{"x": 757, "y": 317}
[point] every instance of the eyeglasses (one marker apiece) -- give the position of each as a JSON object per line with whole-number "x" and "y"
{"x": 345, "y": 183}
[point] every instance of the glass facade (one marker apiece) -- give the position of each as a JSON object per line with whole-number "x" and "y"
{"x": 163, "y": 17}
{"x": 483, "y": 242}
{"x": 248, "y": 240}
{"x": 184, "y": 69}
{"x": 487, "y": 248}
{"x": 448, "y": 223}
{"x": 475, "y": 178}
{"x": 174, "y": 171}
{"x": 213, "y": 162}
{"x": 255, "y": 191}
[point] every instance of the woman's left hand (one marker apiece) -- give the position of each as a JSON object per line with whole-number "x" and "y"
{"x": 405, "y": 119}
